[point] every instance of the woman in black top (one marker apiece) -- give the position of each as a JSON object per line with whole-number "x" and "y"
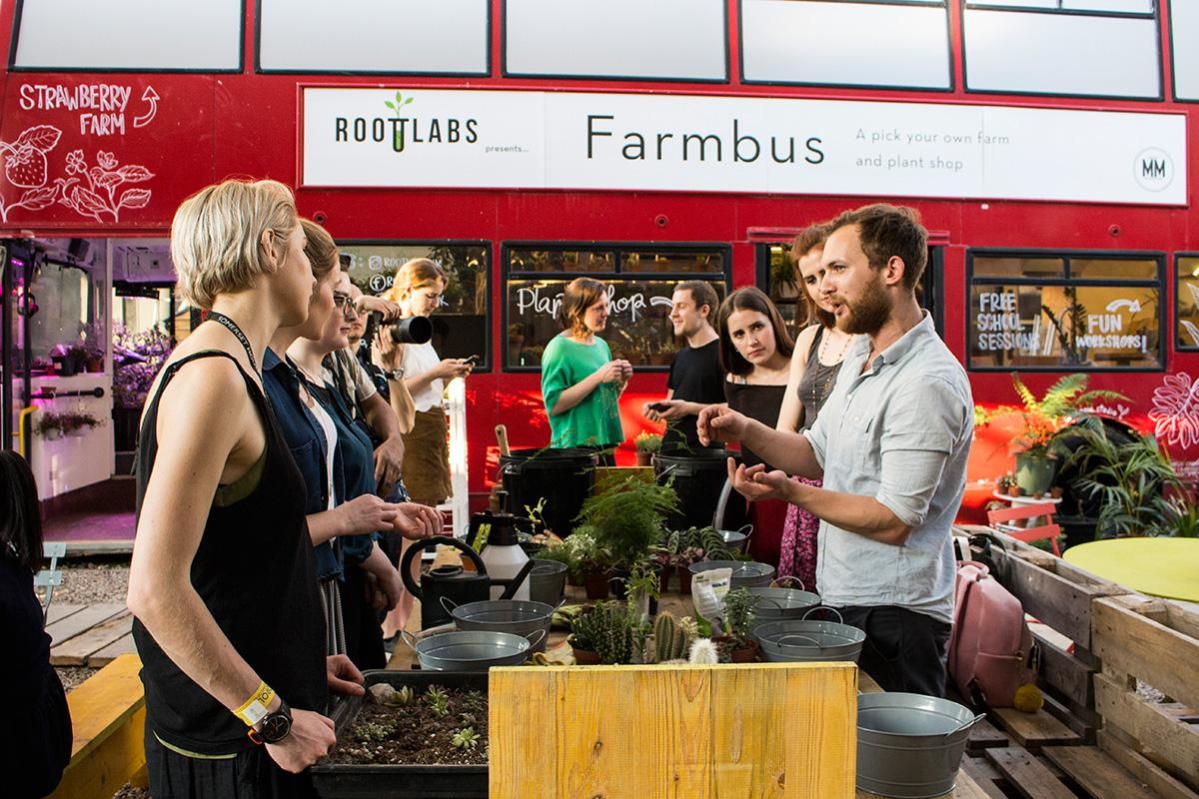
{"x": 755, "y": 350}
{"x": 222, "y": 585}
{"x": 35, "y": 727}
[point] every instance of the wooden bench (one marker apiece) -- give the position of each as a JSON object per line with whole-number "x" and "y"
{"x": 108, "y": 715}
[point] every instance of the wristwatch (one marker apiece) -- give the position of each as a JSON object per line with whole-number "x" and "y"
{"x": 274, "y": 727}
{"x": 395, "y": 374}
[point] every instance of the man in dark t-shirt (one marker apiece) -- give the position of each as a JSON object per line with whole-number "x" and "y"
{"x": 696, "y": 378}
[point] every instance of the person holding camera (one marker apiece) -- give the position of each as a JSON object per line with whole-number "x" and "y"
{"x": 418, "y": 287}
{"x": 580, "y": 380}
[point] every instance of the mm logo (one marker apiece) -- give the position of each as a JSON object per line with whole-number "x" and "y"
{"x": 1153, "y": 169}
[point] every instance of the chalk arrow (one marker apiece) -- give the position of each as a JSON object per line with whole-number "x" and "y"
{"x": 1134, "y": 306}
{"x": 151, "y": 97}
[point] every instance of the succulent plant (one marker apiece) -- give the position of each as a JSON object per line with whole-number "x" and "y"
{"x": 739, "y": 615}
{"x": 612, "y": 629}
{"x": 466, "y": 738}
{"x": 437, "y": 700}
{"x": 704, "y": 652}
{"x": 374, "y": 731}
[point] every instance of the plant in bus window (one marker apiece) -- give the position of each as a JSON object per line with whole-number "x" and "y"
{"x": 1073, "y": 318}
{"x": 1062, "y": 404}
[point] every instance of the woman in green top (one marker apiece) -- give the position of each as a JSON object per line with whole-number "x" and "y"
{"x": 580, "y": 381}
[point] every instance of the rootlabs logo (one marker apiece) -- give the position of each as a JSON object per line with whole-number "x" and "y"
{"x": 403, "y": 128}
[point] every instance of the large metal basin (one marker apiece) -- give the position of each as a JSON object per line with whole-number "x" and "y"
{"x": 782, "y": 603}
{"x": 910, "y": 746}
{"x": 746, "y": 573}
{"x": 514, "y": 616}
{"x": 806, "y": 641}
{"x": 470, "y": 650}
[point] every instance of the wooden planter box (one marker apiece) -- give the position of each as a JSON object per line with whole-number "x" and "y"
{"x": 769, "y": 729}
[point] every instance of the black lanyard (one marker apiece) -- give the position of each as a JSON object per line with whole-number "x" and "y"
{"x": 232, "y": 327}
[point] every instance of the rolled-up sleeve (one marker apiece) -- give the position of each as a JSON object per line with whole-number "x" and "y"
{"x": 923, "y": 425}
{"x": 817, "y": 436}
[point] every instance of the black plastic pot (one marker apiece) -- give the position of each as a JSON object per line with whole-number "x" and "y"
{"x": 563, "y": 477}
{"x": 370, "y": 781}
{"x": 698, "y": 479}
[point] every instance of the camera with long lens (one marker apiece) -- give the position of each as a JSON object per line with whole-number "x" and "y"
{"x": 413, "y": 330}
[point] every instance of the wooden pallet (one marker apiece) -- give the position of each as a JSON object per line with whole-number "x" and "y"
{"x": 1154, "y": 642}
{"x": 89, "y": 635}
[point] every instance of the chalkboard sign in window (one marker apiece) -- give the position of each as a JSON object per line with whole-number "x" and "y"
{"x": 1094, "y": 312}
{"x": 640, "y": 282}
{"x": 460, "y": 326}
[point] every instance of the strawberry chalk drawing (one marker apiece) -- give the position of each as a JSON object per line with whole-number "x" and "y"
{"x": 1175, "y": 412}
{"x": 397, "y": 143}
{"x": 99, "y": 197}
{"x": 26, "y": 167}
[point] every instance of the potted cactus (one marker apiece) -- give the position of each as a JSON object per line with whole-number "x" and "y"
{"x": 671, "y": 639}
{"x": 609, "y": 633}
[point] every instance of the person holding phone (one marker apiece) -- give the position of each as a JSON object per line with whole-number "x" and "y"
{"x": 580, "y": 380}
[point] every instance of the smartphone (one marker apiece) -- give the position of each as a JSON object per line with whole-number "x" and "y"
{"x": 471, "y": 359}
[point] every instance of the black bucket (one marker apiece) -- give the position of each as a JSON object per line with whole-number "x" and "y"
{"x": 564, "y": 477}
{"x": 698, "y": 480}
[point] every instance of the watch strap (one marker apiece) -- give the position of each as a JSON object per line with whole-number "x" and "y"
{"x": 254, "y": 709}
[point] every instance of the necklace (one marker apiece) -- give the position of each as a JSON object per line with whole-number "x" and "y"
{"x": 821, "y": 388}
{"x": 840, "y": 356}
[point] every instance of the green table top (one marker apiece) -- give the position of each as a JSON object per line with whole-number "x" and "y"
{"x": 1165, "y": 567}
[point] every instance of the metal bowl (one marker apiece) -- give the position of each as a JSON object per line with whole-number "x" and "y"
{"x": 746, "y": 573}
{"x": 470, "y": 650}
{"x": 513, "y": 616}
{"x": 782, "y": 603}
{"x": 805, "y": 641}
{"x": 737, "y": 540}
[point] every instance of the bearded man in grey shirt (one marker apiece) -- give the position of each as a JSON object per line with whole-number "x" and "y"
{"x": 891, "y": 447}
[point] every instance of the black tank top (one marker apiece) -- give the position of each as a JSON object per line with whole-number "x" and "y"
{"x": 255, "y": 572}
{"x": 759, "y": 402}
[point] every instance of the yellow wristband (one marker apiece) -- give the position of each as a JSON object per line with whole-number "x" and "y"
{"x": 254, "y": 709}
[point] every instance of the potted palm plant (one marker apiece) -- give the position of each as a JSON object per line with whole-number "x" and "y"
{"x": 1044, "y": 418}
{"x": 626, "y": 519}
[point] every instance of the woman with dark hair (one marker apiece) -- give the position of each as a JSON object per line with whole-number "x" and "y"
{"x": 580, "y": 381}
{"x": 819, "y": 351}
{"x": 755, "y": 351}
{"x": 35, "y": 735}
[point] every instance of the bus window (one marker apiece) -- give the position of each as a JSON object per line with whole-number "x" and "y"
{"x": 639, "y": 328}
{"x": 460, "y": 326}
{"x": 1186, "y": 295}
{"x": 1103, "y": 313}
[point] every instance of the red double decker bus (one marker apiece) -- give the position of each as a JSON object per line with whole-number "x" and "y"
{"x": 524, "y": 142}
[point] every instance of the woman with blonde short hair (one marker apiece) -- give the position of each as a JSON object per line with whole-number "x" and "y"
{"x": 228, "y": 619}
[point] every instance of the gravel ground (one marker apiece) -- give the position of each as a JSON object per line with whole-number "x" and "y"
{"x": 93, "y": 581}
{"x": 72, "y": 676}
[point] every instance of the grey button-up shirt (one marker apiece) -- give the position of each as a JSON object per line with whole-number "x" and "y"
{"x": 899, "y": 433}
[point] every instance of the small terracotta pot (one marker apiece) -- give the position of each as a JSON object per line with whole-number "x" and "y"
{"x": 684, "y": 580}
{"x": 664, "y": 578}
{"x": 596, "y": 585}
{"x": 586, "y": 657}
{"x": 645, "y": 458}
{"x": 747, "y": 655}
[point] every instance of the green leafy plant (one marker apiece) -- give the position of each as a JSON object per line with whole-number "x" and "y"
{"x": 611, "y": 629}
{"x": 627, "y": 517}
{"x": 681, "y": 548}
{"x": 739, "y": 616}
{"x": 1045, "y": 417}
{"x": 48, "y": 425}
{"x": 1131, "y": 480}
{"x": 585, "y": 553}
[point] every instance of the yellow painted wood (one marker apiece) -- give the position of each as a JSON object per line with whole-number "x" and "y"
{"x": 676, "y": 732}
{"x": 108, "y": 714}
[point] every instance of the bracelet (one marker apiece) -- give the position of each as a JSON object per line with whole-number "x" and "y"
{"x": 254, "y": 709}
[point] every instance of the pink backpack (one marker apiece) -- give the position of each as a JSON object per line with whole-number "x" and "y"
{"x": 990, "y": 647}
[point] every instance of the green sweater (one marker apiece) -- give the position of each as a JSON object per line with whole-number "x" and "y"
{"x": 594, "y": 422}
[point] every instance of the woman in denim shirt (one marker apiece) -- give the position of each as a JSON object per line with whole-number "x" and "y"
{"x": 341, "y": 521}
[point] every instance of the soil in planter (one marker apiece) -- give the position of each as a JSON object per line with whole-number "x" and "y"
{"x": 127, "y": 791}
{"x": 413, "y": 734}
